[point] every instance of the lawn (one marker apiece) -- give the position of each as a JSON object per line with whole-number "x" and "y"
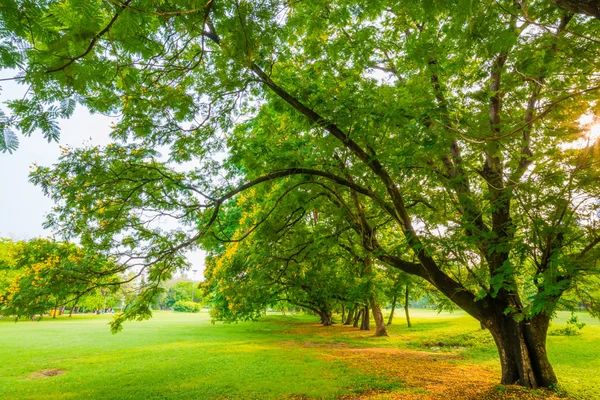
{"x": 183, "y": 356}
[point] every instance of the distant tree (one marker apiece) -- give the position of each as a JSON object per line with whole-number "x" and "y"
{"x": 8, "y": 270}
{"x": 50, "y": 275}
{"x": 180, "y": 291}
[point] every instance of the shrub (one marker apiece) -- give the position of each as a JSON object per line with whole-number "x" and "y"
{"x": 186, "y": 306}
{"x": 573, "y": 327}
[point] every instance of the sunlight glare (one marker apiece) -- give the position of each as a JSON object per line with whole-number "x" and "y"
{"x": 594, "y": 133}
{"x": 591, "y": 133}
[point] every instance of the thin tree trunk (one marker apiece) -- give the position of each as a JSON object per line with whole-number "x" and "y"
{"x": 406, "y": 306}
{"x": 357, "y": 317}
{"x": 343, "y": 312}
{"x": 365, "y": 323}
{"x": 393, "y": 308}
{"x": 350, "y": 317}
{"x": 380, "y": 329}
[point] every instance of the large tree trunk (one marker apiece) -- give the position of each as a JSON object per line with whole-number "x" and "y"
{"x": 522, "y": 350}
{"x": 587, "y": 7}
{"x": 380, "y": 329}
{"x": 365, "y": 324}
{"x": 357, "y": 317}
{"x": 325, "y": 318}
{"x": 350, "y": 317}
{"x": 406, "y": 298}
{"x": 393, "y": 308}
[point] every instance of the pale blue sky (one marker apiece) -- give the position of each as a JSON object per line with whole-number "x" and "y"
{"x": 22, "y": 205}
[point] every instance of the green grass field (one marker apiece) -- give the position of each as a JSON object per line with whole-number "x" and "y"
{"x": 184, "y": 356}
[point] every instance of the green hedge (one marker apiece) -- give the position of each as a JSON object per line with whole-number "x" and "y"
{"x": 186, "y": 306}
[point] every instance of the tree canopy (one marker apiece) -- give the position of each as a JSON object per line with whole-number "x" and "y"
{"x": 42, "y": 274}
{"x": 444, "y": 136}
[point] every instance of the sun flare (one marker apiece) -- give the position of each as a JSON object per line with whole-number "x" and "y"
{"x": 593, "y": 134}
{"x": 590, "y": 127}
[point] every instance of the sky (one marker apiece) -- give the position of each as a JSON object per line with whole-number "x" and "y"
{"x": 23, "y": 206}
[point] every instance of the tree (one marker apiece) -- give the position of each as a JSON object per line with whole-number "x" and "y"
{"x": 587, "y": 7}
{"x": 447, "y": 122}
{"x": 296, "y": 261}
{"x": 180, "y": 291}
{"x": 50, "y": 275}
{"x": 400, "y": 288}
{"x": 8, "y": 270}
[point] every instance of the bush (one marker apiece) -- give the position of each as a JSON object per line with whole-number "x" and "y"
{"x": 186, "y": 306}
{"x": 573, "y": 327}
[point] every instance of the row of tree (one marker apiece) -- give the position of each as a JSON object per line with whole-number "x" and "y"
{"x": 304, "y": 260}
{"x": 42, "y": 276}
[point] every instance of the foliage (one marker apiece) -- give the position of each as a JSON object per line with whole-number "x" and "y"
{"x": 180, "y": 291}
{"x": 8, "y": 270}
{"x": 186, "y": 306}
{"x": 46, "y": 274}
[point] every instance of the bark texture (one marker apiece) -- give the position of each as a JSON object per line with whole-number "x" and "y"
{"x": 391, "y": 318}
{"x": 365, "y": 324}
{"x": 522, "y": 349}
{"x": 350, "y": 317}
{"x": 587, "y": 7}
{"x": 406, "y": 298}
{"x": 325, "y": 318}
{"x": 380, "y": 329}
{"x": 357, "y": 318}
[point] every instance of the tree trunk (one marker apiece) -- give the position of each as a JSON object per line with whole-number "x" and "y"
{"x": 350, "y": 317}
{"x": 380, "y": 329}
{"x": 587, "y": 7}
{"x": 522, "y": 349}
{"x": 393, "y": 308}
{"x": 325, "y": 318}
{"x": 62, "y": 310}
{"x": 406, "y": 307}
{"x": 365, "y": 323}
{"x": 357, "y": 317}
{"x": 343, "y": 312}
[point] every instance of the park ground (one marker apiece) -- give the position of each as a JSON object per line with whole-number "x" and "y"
{"x": 184, "y": 356}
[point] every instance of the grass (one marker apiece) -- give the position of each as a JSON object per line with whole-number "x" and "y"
{"x": 176, "y": 355}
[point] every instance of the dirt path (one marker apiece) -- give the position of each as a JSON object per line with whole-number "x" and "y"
{"x": 431, "y": 376}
